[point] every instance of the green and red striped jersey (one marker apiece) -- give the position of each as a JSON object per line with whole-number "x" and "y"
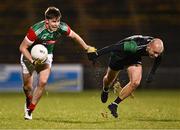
{"x": 39, "y": 34}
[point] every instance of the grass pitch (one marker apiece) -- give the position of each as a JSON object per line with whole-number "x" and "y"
{"x": 150, "y": 109}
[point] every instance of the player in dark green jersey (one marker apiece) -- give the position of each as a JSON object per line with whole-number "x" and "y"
{"x": 45, "y": 32}
{"x": 127, "y": 53}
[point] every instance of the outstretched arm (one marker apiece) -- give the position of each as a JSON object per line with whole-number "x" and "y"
{"x": 115, "y": 47}
{"x": 129, "y": 47}
{"x": 81, "y": 42}
{"x": 78, "y": 39}
{"x": 111, "y": 48}
{"x": 152, "y": 72}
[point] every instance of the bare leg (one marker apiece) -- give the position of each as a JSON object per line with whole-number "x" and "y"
{"x": 27, "y": 84}
{"x": 109, "y": 78}
{"x": 43, "y": 77}
{"x": 28, "y": 88}
{"x": 135, "y": 74}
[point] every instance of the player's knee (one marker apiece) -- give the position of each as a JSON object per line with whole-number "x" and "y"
{"x": 135, "y": 84}
{"x": 27, "y": 84}
{"x": 105, "y": 78}
{"x": 108, "y": 78}
{"x": 42, "y": 83}
{"x": 27, "y": 87}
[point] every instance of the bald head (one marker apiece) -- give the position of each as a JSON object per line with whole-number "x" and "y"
{"x": 155, "y": 47}
{"x": 157, "y": 44}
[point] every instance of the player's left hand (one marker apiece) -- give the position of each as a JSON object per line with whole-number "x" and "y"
{"x": 150, "y": 77}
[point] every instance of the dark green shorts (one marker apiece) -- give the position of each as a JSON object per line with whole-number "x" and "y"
{"x": 118, "y": 62}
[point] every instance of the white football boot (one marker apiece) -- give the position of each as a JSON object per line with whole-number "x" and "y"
{"x": 27, "y": 114}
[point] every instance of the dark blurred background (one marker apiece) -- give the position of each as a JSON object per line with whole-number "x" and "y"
{"x": 99, "y": 23}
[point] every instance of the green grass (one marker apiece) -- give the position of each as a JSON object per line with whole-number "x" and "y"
{"x": 155, "y": 109}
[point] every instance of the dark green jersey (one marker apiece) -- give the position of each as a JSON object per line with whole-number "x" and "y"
{"x": 134, "y": 46}
{"x": 39, "y": 34}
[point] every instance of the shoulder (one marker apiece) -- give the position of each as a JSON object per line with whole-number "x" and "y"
{"x": 38, "y": 26}
{"x": 130, "y": 46}
{"x": 63, "y": 24}
{"x": 148, "y": 37}
{"x": 64, "y": 28}
{"x": 34, "y": 31}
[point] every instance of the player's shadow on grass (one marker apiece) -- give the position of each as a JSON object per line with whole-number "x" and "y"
{"x": 60, "y": 120}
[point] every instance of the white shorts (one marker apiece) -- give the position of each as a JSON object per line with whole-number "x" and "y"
{"x": 27, "y": 66}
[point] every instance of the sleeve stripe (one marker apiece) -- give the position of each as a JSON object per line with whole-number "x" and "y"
{"x": 68, "y": 31}
{"x": 29, "y": 41}
{"x": 31, "y": 35}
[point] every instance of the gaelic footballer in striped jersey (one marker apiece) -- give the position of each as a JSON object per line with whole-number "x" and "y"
{"x": 45, "y": 32}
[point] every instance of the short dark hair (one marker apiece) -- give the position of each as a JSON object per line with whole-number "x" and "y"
{"x": 52, "y": 12}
